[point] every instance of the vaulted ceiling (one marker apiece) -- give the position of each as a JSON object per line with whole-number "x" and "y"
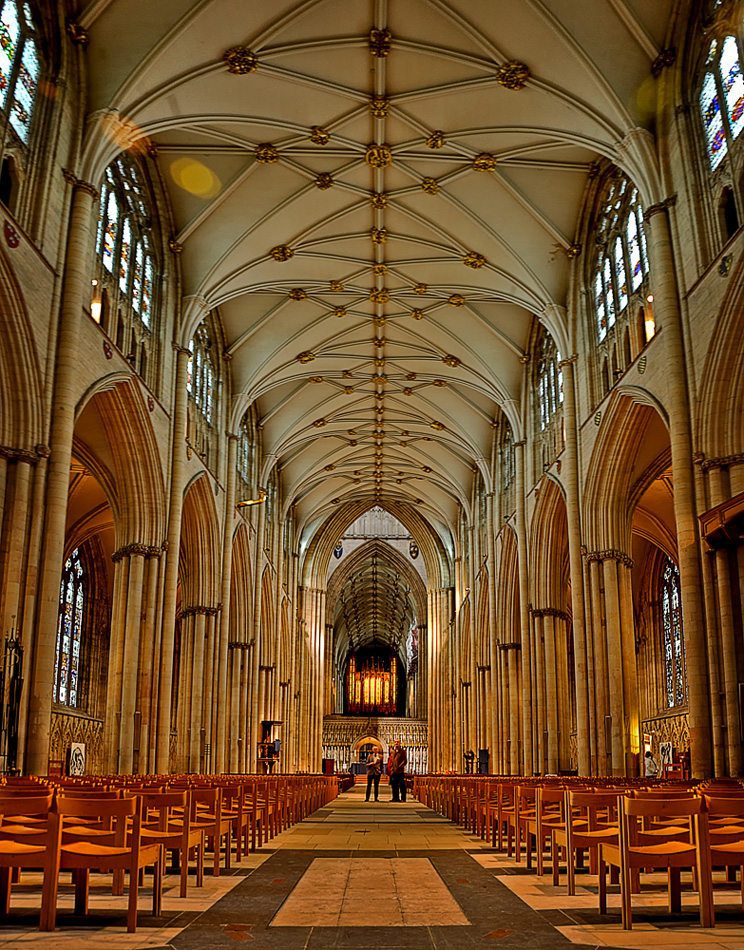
{"x": 379, "y": 196}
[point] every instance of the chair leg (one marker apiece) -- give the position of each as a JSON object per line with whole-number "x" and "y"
{"x": 675, "y": 890}
{"x": 5, "y": 877}
{"x": 200, "y": 863}
{"x": 133, "y": 892}
{"x": 48, "y": 916}
{"x": 82, "y": 888}
{"x": 625, "y": 891}
{"x": 184, "y": 875}
{"x": 157, "y": 884}
{"x": 602, "y": 889}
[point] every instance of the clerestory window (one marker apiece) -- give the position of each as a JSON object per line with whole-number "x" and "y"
{"x": 721, "y": 97}
{"x": 20, "y": 66}
{"x": 124, "y": 295}
{"x": 622, "y": 258}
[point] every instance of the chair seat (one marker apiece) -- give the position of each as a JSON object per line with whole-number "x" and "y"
{"x": 663, "y": 849}
{"x": 729, "y": 847}
{"x": 89, "y": 848}
{"x": 17, "y": 847}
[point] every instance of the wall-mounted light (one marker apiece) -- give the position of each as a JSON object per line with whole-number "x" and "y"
{"x": 253, "y": 501}
{"x": 95, "y": 303}
{"x": 650, "y": 323}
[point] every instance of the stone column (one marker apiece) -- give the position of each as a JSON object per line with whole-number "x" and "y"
{"x": 573, "y": 523}
{"x": 170, "y": 593}
{"x": 220, "y": 700}
{"x": 667, "y": 312}
{"x": 556, "y": 715}
{"x": 66, "y": 390}
{"x": 528, "y": 759}
{"x": 130, "y": 656}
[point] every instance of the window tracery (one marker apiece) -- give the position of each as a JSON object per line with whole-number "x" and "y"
{"x": 622, "y": 258}
{"x": 721, "y": 97}
{"x": 125, "y": 245}
{"x": 203, "y": 379}
{"x": 200, "y": 378}
{"x": 72, "y": 599}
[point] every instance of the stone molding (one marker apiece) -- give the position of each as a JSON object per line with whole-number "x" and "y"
{"x": 723, "y": 462}
{"x": 201, "y": 611}
{"x": 134, "y": 549}
{"x": 25, "y": 455}
{"x": 609, "y": 555}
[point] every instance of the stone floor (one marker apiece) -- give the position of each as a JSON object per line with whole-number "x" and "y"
{"x": 363, "y": 875}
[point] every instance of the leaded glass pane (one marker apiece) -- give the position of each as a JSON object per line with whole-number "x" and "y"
{"x": 109, "y": 238}
{"x": 25, "y": 90}
{"x": 124, "y": 253}
{"x": 190, "y": 370}
{"x": 68, "y": 652}
{"x": 608, "y": 292}
{"x": 710, "y": 110}
{"x": 9, "y": 33}
{"x": 733, "y": 85}
{"x": 146, "y": 311}
{"x": 622, "y": 282}
{"x": 599, "y": 301}
{"x": 634, "y": 252}
{"x": 137, "y": 277}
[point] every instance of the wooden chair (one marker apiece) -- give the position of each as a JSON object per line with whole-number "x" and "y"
{"x": 591, "y": 820}
{"x": 26, "y": 844}
{"x": 206, "y": 815}
{"x": 82, "y": 848}
{"x": 678, "y": 848}
{"x": 726, "y": 834}
{"x": 549, "y": 815}
{"x": 167, "y": 822}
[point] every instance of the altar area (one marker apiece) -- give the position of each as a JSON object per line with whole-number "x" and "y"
{"x": 347, "y": 739}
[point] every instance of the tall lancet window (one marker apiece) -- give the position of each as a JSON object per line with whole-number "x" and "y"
{"x": 673, "y": 637}
{"x": 69, "y": 632}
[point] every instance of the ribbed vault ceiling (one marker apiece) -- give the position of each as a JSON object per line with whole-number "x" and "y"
{"x": 378, "y": 216}
{"x": 375, "y": 606}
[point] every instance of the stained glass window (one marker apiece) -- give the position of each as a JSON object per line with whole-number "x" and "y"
{"x": 549, "y": 381}
{"x": 721, "y": 98}
{"x": 200, "y": 379}
{"x": 246, "y": 449}
{"x": 19, "y": 65}
{"x": 123, "y": 239}
{"x": 622, "y": 262}
{"x": 673, "y": 637}
{"x": 69, "y": 632}
{"x": 124, "y": 252}
{"x": 622, "y": 281}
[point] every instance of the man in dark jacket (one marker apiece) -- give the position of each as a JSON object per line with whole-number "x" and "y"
{"x": 397, "y": 773}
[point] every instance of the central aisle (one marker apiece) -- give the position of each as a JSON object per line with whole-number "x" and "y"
{"x": 359, "y": 875}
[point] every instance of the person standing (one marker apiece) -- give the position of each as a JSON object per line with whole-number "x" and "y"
{"x": 374, "y": 770}
{"x": 651, "y": 769}
{"x": 398, "y": 764}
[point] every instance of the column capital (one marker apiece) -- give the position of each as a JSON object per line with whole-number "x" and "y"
{"x": 136, "y": 550}
{"x": 84, "y": 186}
{"x": 568, "y": 360}
{"x": 723, "y": 462}
{"x": 660, "y": 206}
{"x": 609, "y": 555}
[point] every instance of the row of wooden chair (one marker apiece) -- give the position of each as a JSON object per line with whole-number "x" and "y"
{"x": 121, "y": 824}
{"x": 624, "y": 826}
